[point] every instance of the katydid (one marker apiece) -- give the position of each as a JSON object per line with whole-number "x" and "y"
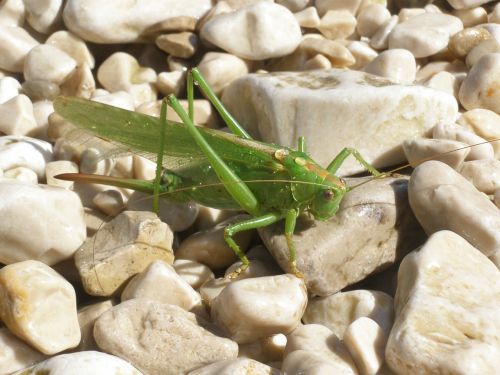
{"x": 229, "y": 167}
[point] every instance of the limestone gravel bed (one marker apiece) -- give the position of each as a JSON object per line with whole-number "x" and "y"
{"x": 405, "y": 279}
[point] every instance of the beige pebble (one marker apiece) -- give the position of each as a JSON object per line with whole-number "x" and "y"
{"x": 91, "y": 162}
{"x": 172, "y": 25}
{"x": 304, "y": 362}
{"x": 396, "y": 64}
{"x": 183, "y": 44}
{"x": 16, "y": 116}
{"x": 144, "y": 169}
{"x": 234, "y": 367}
{"x": 9, "y": 88}
{"x": 194, "y": 273}
{"x": 446, "y": 82}
{"x": 80, "y": 83}
{"x": 54, "y": 168}
{"x": 42, "y": 109}
{"x": 308, "y": 17}
{"x": 45, "y": 62}
{"x": 267, "y": 350}
{"x": 483, "y": 48}
{"x": 380, "y": 40}
{"x": 370, "y": 18}
{"x": 210, "y": 248}
{"x": 120, "y": 99}
{"x": 465, "y": 40}
{"x": 407, "y": 13}
{"x": 482, "y": 150}
{"x": 494, "y": 16}
{"x": 366, "y": 341}
{"x": 337, "y": 24}
{"x": 326, "y": 5}
{"x": 464, "y": 4}
{"x": 480, "y": 88}
{"x": 21, "y": 174}
{"x": 41, "y": 89}
{"x": 15, "y": 353}
{"x": 220, "y": 69}
{"x": 484, "y": 123}
{"x": 175, "y": 290}
{"x": 420, "y": 150}
{"x": 171, "y": 82}
{"x": 86, "y": 319}
{"x": 426, "y": 72}
{"x": 294, "y": 5}
{"x": 317, "y": 62}
{"x": 484, "y": 174}
{"x": 472, "y": 16}
{"x": 219, "y": 8}
{"x": 43, "y": 15}
{"x": 256, "y": 32}
{"x": 282, "y": 299}
{"x": 339, "y": 310}
{"x": 362, "y": 53}
{"x": 160, "y": 339}
{"x": 40, "y": 301}
{"x": 446, "y": 305}
{"x": 73, "y": 45}
{"x": 320, "y": 340}
{"x": 444, "y": 200}
{"x": 209, "y": 217}
{"x": 256, "y": 268}
{"x": 122, "y": 248}
{"x": 12, "y": 13}
{"x": 15, "y": 43}
{"x": 212, "y": 288}
{"x": 109, "y": 201}
{"x": 338, "y": 55}
{"x": 426, "y": 34}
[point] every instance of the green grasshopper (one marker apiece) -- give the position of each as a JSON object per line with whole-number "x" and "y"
{"x": 215, "y": 168}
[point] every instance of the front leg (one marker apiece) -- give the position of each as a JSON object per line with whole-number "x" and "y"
{"x": 253, "y": 223}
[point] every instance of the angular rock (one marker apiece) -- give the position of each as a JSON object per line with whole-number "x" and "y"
{"x": 308, "y": 17}
{"x": 42, "y": 232}
{"x": 320, "y": 340}
{"x": 82, "y": 363}
{"x": 38, "y": 301}
{"x": 282, "y": 301}
{"x": 278, "y": 107}
{"x": 447, "y": 307}
{"x": 90, "y": 20}
{"x": 235, "y": 367}
{"x": 160, "y": 339}
{"x": 426, "y": 34}
{"x": 15, "y": 43}
{"x": 339, "y": 310}
{"x": 122, "y": 248}
{"x": 256, "y": 32}
{"x": 364, "y": 237}
{"x": 15, "y": 353}
{"x": 444, "y": 200}
{"x": 420, "y": 150}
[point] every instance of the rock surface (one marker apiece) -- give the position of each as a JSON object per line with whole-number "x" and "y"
{"x": 447, "y": 307}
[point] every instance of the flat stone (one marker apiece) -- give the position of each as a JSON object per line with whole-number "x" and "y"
{"x": 256, "y": 32}
{"x": 160, "y": 339}
{"x": 282, "y": 301}
{"x": 426, "y": 34}
{"x": 236, "y": 366}
{"x": 15, "y": 43}
{"x": 42, "y": 233}
{"x": 39, "y": 301}
{"x": 90, "y": 19}
{"x": 386, "y": 113}
{"x": 444, "y": 200}
{"x": 364, "y": 237}
{"x": 339, "y": 310}
{"x": 122, "y": 248}
{"x": 480, "y": 88}
{"x": 82, "y": 363}
{"x": 447, "y": 307}
{"x": 15, "y": 353}
{"x": 320, "y": 340}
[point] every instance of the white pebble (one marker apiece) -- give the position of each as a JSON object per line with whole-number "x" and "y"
{"x": 12, "y": 13}
{"x": 120, "y": 99}
{"x": 380, "y": 40}
{"x": 419, "y": 150}
{"x": 54, "y": 168}
{"x": 308, "y": 17}
{"x": 171, "y": 82}
{"x": 370, "y": 18}
{"x": 407, "y": 13}
{"x": 15, "y": 43}
{"x": 194, "y": 273}
{"x": 80, "y": 83}
{"x": 481, "y": 87}
{"x": 17, "y": 117}
{"x": 484, "y": 123}
{"x": 42, "y": 109}
{"x": 73, "y": 46}
{"x": 362, "y": 52}
{"x": 337, "y": 24}
{"x": 446, "y": 82}
{"x": 15, "y": 354}
{"x": 18, "y": 151}
{"x": 465, "y": 4}
{"x": 43, "y": 15}
{"x": 9, "y": 88}
{"x": 220, "y": 69}
{"x": 21, "y": 174}
{"x": 109, "y": 201}
{"x": 326, "y": 5}
{"x": 426, "y": 34}
{"x": 45, "y": 62}
{"x": 484, "y": 174}
{"x": 399, "y": 65}
{"x": 472, "y": 16}
{"x": 483, "y": 48}
{"x": 366, "y": 341}
{"x": 40, "y": 301}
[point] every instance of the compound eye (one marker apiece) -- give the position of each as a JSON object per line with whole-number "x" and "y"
{"x": 328, "y": 194}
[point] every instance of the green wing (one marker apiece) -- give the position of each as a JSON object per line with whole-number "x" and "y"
{"x": 138, "y": 133}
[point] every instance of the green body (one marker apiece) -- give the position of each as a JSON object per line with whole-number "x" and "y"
{"x": 214, "y": 168}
